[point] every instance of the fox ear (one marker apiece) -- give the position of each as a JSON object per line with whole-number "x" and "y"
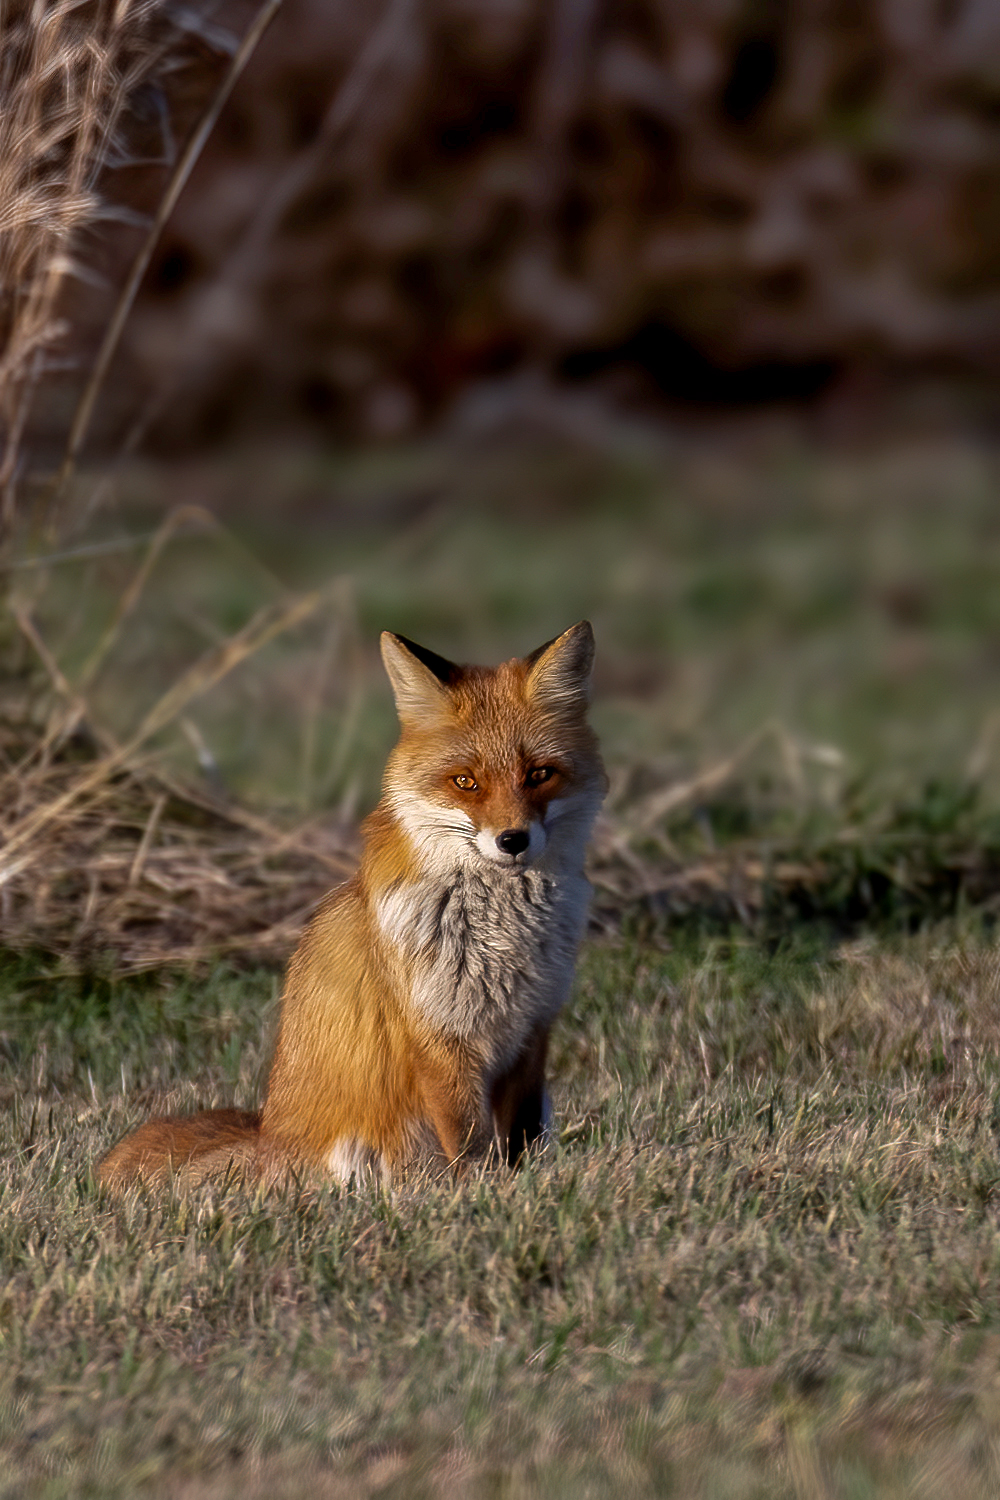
{"x": 559, "y": 671}
{"x": 420, "y": 678}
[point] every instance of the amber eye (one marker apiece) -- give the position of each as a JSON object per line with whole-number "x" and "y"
{"x": 465, "y": 782}
{"x": 538, "y": 774}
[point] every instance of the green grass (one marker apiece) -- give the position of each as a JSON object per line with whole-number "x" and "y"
{"x": 761, "y": 1258}
{"x": 852, "y": 600}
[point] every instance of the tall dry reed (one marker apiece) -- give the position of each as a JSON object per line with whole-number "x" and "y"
{"x": 70, "y": 72}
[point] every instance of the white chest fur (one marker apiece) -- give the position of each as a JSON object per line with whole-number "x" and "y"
{"x": 492, "y": 951}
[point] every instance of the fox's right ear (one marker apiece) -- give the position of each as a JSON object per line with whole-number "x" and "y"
{"x": 559, "y": 671}
{"x": 420, "y": 679}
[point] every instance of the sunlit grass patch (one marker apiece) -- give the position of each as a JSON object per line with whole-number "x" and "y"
{"x": 762, "y": 1247}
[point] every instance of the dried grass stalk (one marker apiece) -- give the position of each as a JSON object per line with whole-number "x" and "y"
{"x": 198, "y": 679}
{"x": 148, "y": 873}
{"x": 113, "y": 857}
{"x": 67, "y": 72}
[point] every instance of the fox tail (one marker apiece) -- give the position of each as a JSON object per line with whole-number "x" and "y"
{"x": 188, "y": 1147}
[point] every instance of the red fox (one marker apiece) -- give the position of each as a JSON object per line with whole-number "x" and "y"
{"x": 417, "y": 1007}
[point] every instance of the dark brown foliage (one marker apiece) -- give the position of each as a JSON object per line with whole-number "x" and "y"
{"x": 741, "y": 201}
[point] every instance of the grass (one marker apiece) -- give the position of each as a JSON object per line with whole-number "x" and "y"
{"x": 850, "y": 599}
{"x": 796, "y": 692}
{"x": 761, "y": 1257}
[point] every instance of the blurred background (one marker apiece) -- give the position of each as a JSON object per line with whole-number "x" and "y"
{"x": 408, "y": 209}
{"x": 483, "y": 316}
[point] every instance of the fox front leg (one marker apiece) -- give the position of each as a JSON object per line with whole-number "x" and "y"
{"x": 453, "y": 1102}
{"x": 520, "y": 1103}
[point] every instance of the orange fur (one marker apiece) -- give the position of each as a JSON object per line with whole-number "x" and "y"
{"x": 417, "y": 1007}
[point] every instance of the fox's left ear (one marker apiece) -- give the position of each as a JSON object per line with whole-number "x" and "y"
{"x": 559, "y": 671}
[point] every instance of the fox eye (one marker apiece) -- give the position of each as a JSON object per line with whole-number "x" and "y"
{"x": 538, "y": 774}
{"x": 465, "y": 782}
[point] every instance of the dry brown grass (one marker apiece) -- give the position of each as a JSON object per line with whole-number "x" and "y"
{"x": 81, "y": 810}
{"x": 113, "y": 861}
{"x": 104, "y": 852}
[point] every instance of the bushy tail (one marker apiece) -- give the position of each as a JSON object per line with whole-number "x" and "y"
{"x": 189, "y": 1147}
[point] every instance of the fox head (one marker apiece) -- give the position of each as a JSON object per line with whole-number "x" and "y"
{"x": 495, "y": 765}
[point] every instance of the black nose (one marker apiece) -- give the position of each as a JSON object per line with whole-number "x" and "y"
{"x": 513, "y": 840}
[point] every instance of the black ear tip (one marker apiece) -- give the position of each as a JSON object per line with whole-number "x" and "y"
{"x": 574, "y": 650}
{"x": 445, "y": 671}
{"x": 582, "y": 636}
